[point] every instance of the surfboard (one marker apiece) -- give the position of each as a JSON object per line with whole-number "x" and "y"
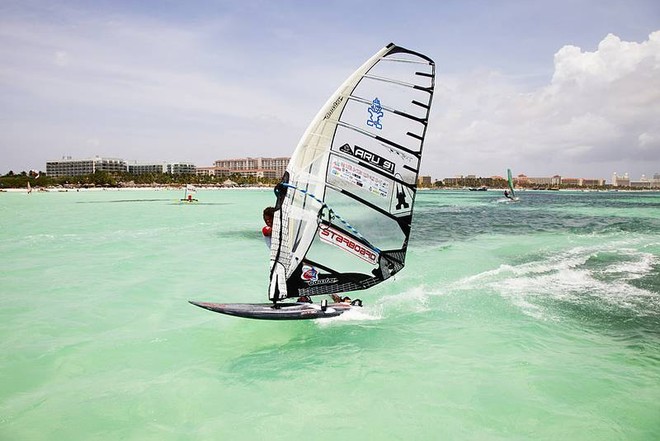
{"x": 279, "y": 311}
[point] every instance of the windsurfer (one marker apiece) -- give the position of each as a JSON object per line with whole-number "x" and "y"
{"x": 338, "y": 299}
{"x": 267, "y": 230}
{"x": 507, "y": 194}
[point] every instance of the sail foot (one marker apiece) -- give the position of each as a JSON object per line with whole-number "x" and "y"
{"x": 277, "y": 289}
{"x": 391, "y": 262}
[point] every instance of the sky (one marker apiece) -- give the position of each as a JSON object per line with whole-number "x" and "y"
{"x": 568, "y": 87}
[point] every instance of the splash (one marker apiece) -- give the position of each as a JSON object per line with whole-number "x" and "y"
{"x": 596, "y": 278}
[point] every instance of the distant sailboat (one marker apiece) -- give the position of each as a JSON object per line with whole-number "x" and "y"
{"x": 29, "y": 188}
{"x": 188, "y": 194}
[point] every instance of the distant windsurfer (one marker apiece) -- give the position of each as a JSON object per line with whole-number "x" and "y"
{"x": 507, "y": 195}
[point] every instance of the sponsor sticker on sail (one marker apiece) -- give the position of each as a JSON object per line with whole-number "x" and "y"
{"x": 341, "y": 240}
{"x": 359, "y": 176}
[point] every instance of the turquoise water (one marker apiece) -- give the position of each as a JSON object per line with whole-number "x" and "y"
{"x": 537, "y": 320}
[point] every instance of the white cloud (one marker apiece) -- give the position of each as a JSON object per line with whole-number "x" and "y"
{"x": 599, "y": 112}
{"x": 140, "y": 90}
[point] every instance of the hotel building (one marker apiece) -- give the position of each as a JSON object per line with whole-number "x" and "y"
{"x": 270, "y": 168}
{"x": 173, "y": 168}
{"x": 424, "y": 181}
{"x": 68, "y": 166}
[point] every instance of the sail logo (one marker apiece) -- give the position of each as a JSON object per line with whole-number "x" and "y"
{"x": 336, "y": 238}
{"x": 375, "y": 114}
{"x": 369, "y": 157}
{"x": 327, "y": 281}
{"x": 334, "y": 106}
{"x": 309, "y": 273}
{"x": 359, "y": 176}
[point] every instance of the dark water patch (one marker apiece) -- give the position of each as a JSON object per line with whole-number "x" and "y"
{"x": 169, "y": 200}
{"x": 602, "y": 265}
{"x": 641, "y": 317}
{"x": 458, "y": 223}
{"x": 246, "y": 233}
{"x": 650, "y": 281}
{"x": 183, "y": 203}
{"x": 123, "y": 201}
{"x": 632, "y": 225}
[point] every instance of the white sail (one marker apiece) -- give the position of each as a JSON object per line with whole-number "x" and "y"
{"x": 510, "y": 182}
{"x": 345, "y": 203}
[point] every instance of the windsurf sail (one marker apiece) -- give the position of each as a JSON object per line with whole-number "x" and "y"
{"x": 510, "y": 182}
{"x": 345, "y": 203}
{"x": 189, "y": 193}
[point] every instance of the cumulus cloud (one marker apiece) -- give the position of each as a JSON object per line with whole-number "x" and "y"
{"x": 600, "y": 112}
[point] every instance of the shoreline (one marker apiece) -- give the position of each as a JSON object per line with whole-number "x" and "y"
{"x": 96, "y": 189}
{"x": 269, "y": 188}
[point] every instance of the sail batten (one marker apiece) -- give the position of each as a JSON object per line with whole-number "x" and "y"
{"x": 400, "y": 147}
{"x": 390, "y": 80}
{"x": 345, "y": 203}
{"x": 417, "y": 103}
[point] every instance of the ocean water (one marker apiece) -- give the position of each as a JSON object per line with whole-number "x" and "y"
{"x": 537, "y": 320}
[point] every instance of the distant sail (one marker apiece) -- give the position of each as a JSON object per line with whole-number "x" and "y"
{"x": 345, "y": 204}
{"x": 510, "y": 182}
{"x": 189, "y": 193}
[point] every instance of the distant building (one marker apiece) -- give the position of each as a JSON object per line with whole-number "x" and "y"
{"x": 147, "y": 168}
{"x": 575, "y": 182}
{"x": 270, "y": 168}
{"x": 205, "y": 171}
{"x": 620, "y": 181}
{"x": 424, "y": 181}
{"x": 539, "y": 181}
{"x": 453, "y": 181}
{"x": 68, "y": 166}
{"x": 589, "y": 182}
{"x": 173, "y": 168}
{"x": 641, "y": 184}
{"x": 180, "y": 168}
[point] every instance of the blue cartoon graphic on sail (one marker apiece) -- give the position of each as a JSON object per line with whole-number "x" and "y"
{"x": 375, "y": 114}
